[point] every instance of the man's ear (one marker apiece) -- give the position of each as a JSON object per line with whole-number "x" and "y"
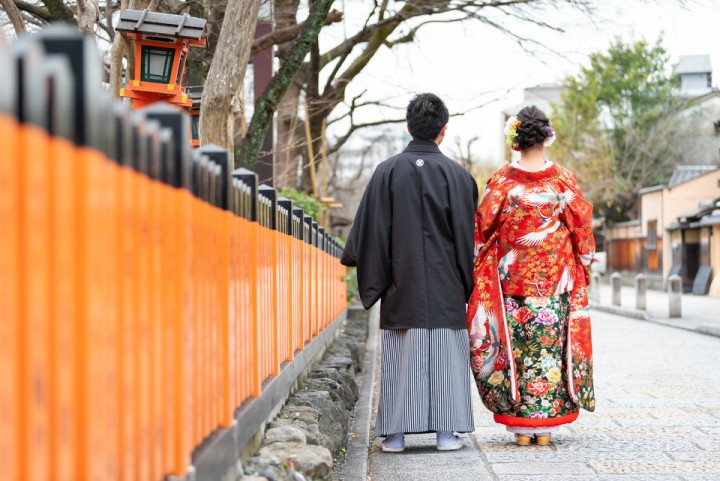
{"x": 444, "y": 130}
{"x": 408, "y": 129}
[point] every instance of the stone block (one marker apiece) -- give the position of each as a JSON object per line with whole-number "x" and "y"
{"x": 284, "y": 434}
{"x": 332, "y": 420}
{"x": 338, "y": 375}
{"x": 338, "y": 392}
{"x": 671, "y": 468}
{"x": 309, "y": 428}
{"x": 314, "y": 462}
{"x": 355, "y": 348}
{"x": 541, "y": 468}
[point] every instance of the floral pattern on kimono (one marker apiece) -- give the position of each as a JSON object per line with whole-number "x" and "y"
{"x": 533, "y": 238}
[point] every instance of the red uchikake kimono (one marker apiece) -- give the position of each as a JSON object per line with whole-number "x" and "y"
{"x": 534, "y": 245}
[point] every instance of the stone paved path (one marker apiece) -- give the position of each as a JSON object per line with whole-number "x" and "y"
{"x": 658, "y": 418}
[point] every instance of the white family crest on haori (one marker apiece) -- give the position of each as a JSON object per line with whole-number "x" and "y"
{"x": 419, "y": 162}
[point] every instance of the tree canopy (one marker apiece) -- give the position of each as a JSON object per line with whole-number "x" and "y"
{"x": 616, "y": 126}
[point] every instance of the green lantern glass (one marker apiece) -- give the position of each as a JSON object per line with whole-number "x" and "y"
{"x": 156, "y": 65}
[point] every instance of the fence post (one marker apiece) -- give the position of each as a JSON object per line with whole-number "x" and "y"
{"x": 616, "y": 284}
{"x": 675, "y": 295}
{"x": 595, "y": 287}
{"x": 286, "y": 282}
{"x": 9, "y": 267}
{"x": 640, "y": 292}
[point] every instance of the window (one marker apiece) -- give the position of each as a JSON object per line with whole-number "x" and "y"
{"x": 156, "y": 64}
{"x": 652, "y": 238}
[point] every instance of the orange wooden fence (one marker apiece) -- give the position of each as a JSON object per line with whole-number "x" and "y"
{"x": 145, "y": 292}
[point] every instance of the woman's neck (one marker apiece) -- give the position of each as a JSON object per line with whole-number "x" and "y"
{"x": 532, "y": 159}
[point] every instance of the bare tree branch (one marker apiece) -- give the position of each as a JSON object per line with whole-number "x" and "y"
{"x": 288, "y": 34}
{"x": 34, "y": 10}
{"x": 59, "y": 11}
{"x": 13, "y": 13}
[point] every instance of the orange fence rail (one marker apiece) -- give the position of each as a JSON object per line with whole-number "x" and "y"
{"x": 146, "y": 291}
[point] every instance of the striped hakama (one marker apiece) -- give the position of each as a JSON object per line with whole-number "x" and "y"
{"x": 425, "y": 382}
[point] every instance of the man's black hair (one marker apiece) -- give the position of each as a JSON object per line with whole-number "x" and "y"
{"x": 426, "y": 116}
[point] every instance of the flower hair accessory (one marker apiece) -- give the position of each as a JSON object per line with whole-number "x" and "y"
{"x": 511, "y": 132}
{"x": 551, "y": 135}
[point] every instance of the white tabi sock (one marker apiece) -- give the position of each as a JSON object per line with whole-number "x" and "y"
{"x": 394, "y": 441}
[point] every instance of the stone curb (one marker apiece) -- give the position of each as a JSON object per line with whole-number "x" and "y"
{"x": 218, "y": 457}
{"x": 644, "y": 316}
{"x": 313, "y": 424}
{"x": 356, "y": 466}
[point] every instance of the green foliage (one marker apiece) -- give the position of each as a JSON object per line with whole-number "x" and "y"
{"x": 307, "y": 202}
{"x": 352, "y": 287}
{"x": 616, "y": 127}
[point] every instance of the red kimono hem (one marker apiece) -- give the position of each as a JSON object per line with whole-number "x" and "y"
{"x": 535, "y": 422}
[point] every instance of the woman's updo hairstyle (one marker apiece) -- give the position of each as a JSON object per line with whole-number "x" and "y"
{"x": 534, "y": 127}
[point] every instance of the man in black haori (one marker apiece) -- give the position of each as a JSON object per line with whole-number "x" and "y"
{"x": 412, "y": 242}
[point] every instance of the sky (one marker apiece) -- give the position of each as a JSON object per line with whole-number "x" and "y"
{"x": 470, "y": 64}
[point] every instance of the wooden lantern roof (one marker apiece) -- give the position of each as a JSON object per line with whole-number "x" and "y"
{"x": 195, "y": 94}
{"x": 144, "y": 22}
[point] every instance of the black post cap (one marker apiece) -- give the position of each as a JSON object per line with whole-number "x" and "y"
{"x": 123, "y": 133}
{"x": 105, "y": 129}
{"x": 309, "y": 223}
{"x": 221, "y": 157}
{"x": 8, "y": 83}
{"x": 270, "y": 194}
{"x": 31, "y": 98}
{"x": 179, "y": 122}
{"x": 287, "y": 204}
{"x": 139, "y": 143}
{"x": 250, "y": 179}
{"x": 152, "y": 130}
{"x": 87, "y": 72}
{"x": 167, "y": 156}
{"x": 298, "y": 212}
{"x": 60, "y": 105}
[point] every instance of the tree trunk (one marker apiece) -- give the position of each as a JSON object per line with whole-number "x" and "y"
{"x": 87, "y": 14}
{"x": 290, "y": 139}
{"x": 196, "y": 65}
{"x": 267, "y": 103}
{"x": 14, "y": 15}
{"x": 227, "y": 71}
{"x": 287, "y": 148}
{"x": 121, "y": 44}
{"x": 117, "y": 53}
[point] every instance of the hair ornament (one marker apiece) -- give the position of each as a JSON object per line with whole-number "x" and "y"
{"x": 551, "y": 135}
{"x": 511, "y": 132}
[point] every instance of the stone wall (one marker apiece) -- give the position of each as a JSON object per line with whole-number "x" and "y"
{"x": 312, "y": 427}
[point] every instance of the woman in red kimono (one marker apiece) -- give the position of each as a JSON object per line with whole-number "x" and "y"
{"x": 528, "y": 318}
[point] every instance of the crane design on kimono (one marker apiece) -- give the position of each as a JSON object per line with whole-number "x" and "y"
{"x": 551, "y": 223}
{"x": 485, "y": 339}
{"x": 504, "y": 264}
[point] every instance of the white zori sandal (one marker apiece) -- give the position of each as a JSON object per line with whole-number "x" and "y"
{"x": 394, "y": 443}
{"x": 447, "y": 441}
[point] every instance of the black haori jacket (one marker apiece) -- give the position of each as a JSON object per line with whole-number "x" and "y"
{"x": 412, "y": 240}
